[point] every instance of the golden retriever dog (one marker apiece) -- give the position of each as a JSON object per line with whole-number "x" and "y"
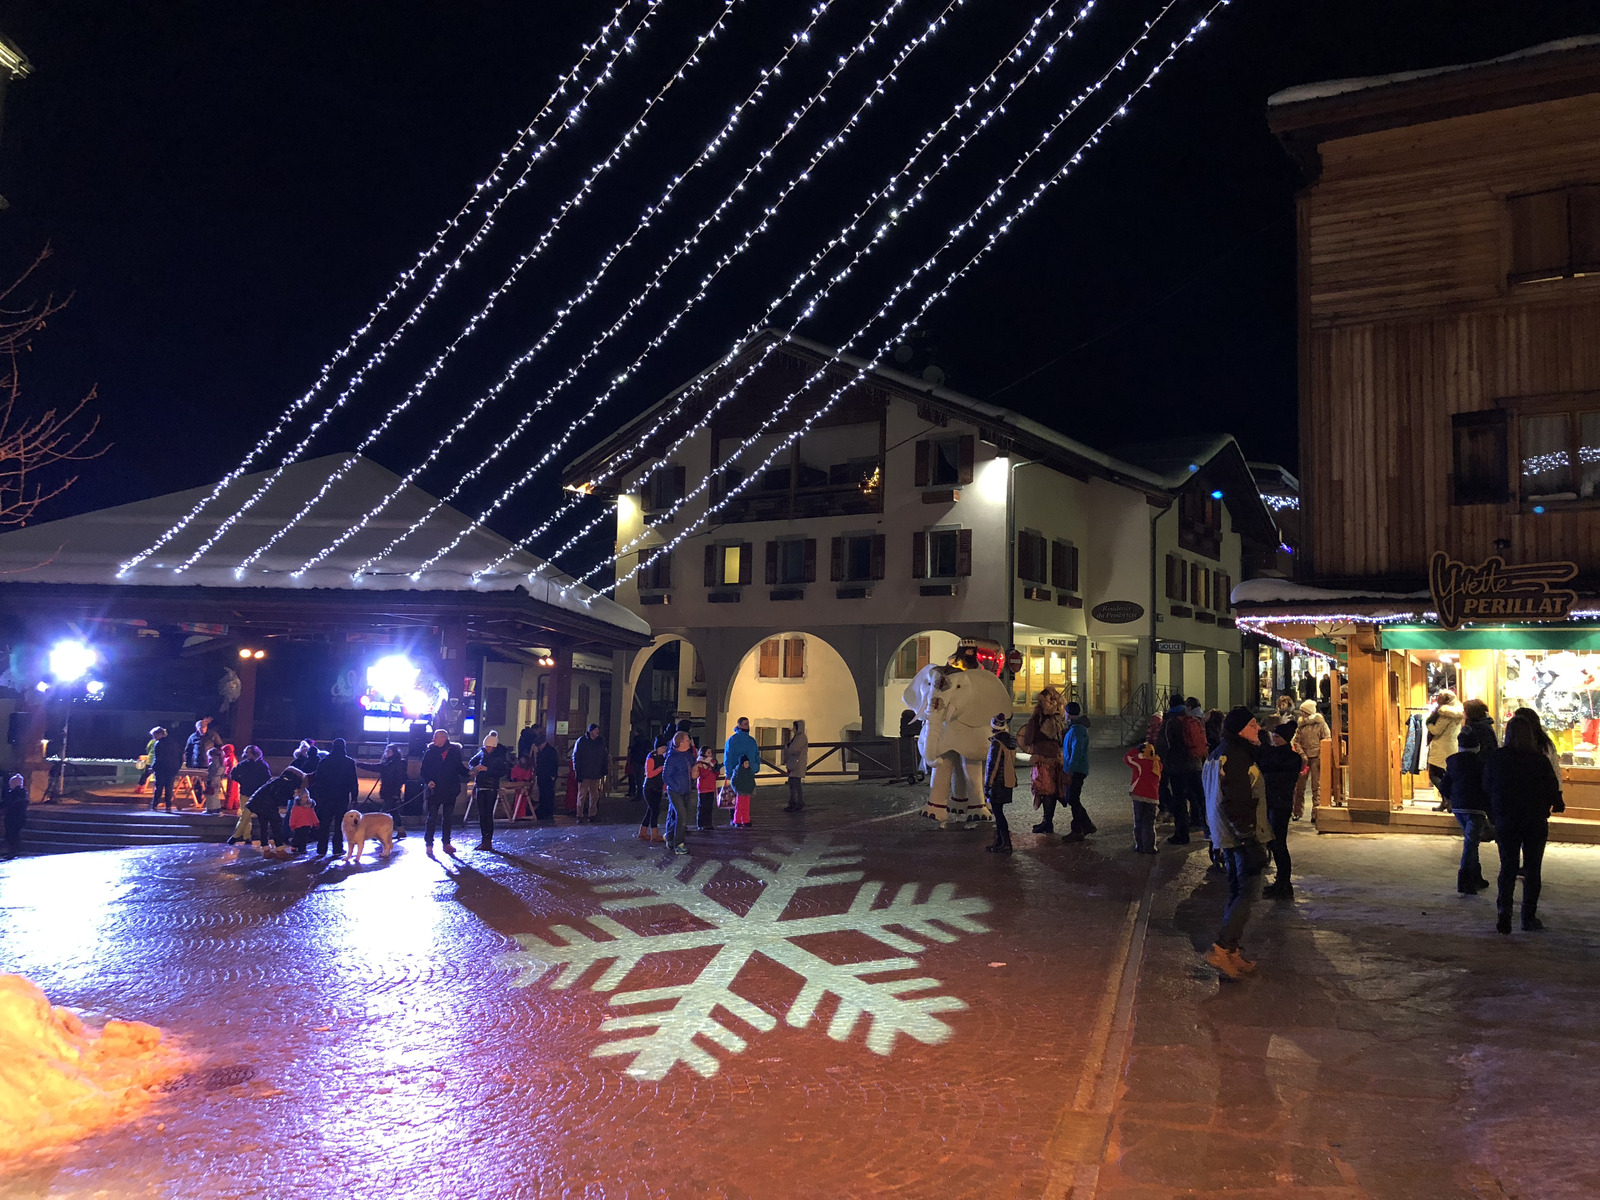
{"x": 360, "y": 826}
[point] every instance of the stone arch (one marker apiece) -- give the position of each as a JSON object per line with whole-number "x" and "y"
{"x": 691, "y": 694}
{"x": 827, "y": 696}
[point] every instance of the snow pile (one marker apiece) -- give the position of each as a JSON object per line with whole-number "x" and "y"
{"x": 60, "y": 1080}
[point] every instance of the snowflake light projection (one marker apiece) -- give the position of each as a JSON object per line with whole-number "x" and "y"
{"x": 662, "y": 1037}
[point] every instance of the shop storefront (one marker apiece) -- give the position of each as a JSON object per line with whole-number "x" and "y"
{"x": 1399, "y": 652}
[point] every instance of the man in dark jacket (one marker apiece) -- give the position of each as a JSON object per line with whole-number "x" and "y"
{"x": 335, "y": 788}
{"x": 526, "y": 740}
{"x": 1280, "y": 766}
{"x": 591, "y": 762}
{"x": 1181, "y": 745}
{"x": 391, "y": 771}
{"x": 442, "y": 772}
{"x": 200, "y": 743}
{"x": 546, "y": 766}
{"x": 1236, "y": 814}
{"x": 1482, "y": 725}
{"x": 489, "y": 766}
{"x": 1462, "y": 789}
{"x": 14, "y": 811}
{"x": 168, "y": 761}
{"x": 251, "y": 772}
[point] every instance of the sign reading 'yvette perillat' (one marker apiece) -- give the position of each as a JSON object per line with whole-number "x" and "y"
{"x": 1493, "y": 591}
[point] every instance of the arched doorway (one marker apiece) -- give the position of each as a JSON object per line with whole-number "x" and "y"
{"x": 790, "y": 676}
{"x": 666, "y": 683}
{"x": 916, "y": 652}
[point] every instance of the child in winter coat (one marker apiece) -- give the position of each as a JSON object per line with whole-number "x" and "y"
{"x": 303, "y": 822}
{"x": 521, "y": 782}
{"x": 705, "y": 782}
{"x": 654, "y": 790}
{"x": 1144, "y": 789}
{"x": 744, "y": 786}
{"x": 1000, "y": 779}
{"x": 1462, "y": 789}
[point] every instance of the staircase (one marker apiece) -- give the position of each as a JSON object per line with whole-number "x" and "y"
{"x": 68, "y": 827}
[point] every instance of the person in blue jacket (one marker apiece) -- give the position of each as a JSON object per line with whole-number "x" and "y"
{"x": 1075, "y": 765}
{"x": 677, "y": 776}
{"x": 740, "y": 745}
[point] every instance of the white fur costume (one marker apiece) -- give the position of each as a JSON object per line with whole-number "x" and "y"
{"x": 955, "y": 708}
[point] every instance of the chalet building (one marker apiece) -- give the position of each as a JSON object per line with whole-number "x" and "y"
{"x": 1449, "y": 247}
{"x": 908, "y": 518}
{"x": 274, "y": 657}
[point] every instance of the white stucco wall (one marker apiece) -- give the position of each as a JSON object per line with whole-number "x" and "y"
{"x": 825, "y": 699}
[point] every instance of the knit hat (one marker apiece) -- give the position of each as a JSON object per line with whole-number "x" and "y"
{"x": 1001, "y": 721}
{"x": 1286, "y": 731}
{"x": 1308, "y": 708}
{"x": 1237, "y": 718}
{"x": 1466, "y": 738}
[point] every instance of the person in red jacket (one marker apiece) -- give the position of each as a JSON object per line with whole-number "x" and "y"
{"x": 1144, "y": 789}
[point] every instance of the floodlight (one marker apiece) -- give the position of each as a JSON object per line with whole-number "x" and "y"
{"x": 393, "y": 676}
{"x": 244, "y": 652}
{"x": 70, "y": 661}
{"x": 94, "y": 687}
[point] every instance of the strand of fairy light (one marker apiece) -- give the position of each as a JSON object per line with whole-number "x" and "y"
{"x": 840, "y": 238}
{"x": 700, "y": 382}
{"x": 1000, "y": 230}
{"x": 471, "y": 327}
{"x": 684, "y": 247}
{"x": 407, "y": 276}
{"x": 440, "y": 444}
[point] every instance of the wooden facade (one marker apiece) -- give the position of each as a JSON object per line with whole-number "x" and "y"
{"x": 1408, "y": 240}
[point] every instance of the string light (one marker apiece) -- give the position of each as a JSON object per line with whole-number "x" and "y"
{"x": 655, "y": 342}
{"x": 440, "y": 444}
{"x": 406, "y": 277}
{"x": 840, "y": 238}
{"x": 1003, "y": 227}
{"x": 572, "y": 202}
{"x": 584, "y": 189}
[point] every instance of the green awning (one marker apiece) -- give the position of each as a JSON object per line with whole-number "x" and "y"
{"x": 1556, "y": 636}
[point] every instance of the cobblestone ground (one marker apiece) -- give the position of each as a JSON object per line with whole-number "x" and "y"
{"x": 842, "y": 1003}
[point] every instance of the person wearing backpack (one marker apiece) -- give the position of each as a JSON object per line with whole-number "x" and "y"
{"x": 1000, "y": 779}
{"x": 1236, "y": 811}
{"x": 1181, "y": 746}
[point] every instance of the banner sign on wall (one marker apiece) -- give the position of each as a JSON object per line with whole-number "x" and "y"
{"x": 1493, "y": 591}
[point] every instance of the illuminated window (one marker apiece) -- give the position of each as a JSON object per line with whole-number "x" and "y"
{"x": 1560, "y": 455}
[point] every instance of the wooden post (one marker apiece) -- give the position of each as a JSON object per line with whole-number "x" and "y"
{"x": 1369, "y": 703}
{"x": 244, "y": 708}
{"x": 558, "y": 701}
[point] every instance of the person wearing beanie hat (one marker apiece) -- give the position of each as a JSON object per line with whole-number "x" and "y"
{"x": 1236, "y": 804}
{"x": 488, "y": 767}
{"x": 1280, "y": 765}
{"x": 1075, "y": 764}
{"x": 999, "y": 779}
{"x": 1462, "y": 788}
{"x": 1311, "y": 730}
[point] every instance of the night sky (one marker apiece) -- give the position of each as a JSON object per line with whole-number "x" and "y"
{"x": 229, "y": 189}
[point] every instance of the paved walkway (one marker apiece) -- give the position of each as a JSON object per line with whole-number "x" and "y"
{"x": 845, "y": 1003}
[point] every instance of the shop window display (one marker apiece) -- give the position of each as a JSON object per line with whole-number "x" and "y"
{"x": 1563, "y": 687}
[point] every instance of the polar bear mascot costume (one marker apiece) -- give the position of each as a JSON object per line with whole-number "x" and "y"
{"x": 955, "y": 706}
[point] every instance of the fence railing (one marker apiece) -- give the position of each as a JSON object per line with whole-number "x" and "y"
{"x": 863, "y": 758}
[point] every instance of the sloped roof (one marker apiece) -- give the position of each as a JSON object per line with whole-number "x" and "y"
{"x": 90, "y": 548}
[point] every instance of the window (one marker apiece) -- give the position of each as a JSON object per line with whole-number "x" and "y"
{"x": 663, "y": 488}
{"x": 728, "y": 564}
{"x": 782, "y": 658}
{"x": 1064, "y": 566}
{"x": 1560, "y": 455}
{"x": 1479, "y": 458}
{"x": 494, "y": 706}
{"x": 1200, "y": 520}
{"x": 1030, "y": 556}
{"x": 1177, "y": 579}
{"x": 656, "y": 576}
{"x": 941, "y": 553}
{"x": 1555, "y": 235}
{"x": 1043, "y": 667}
{"x": 945, "y": 461}
{"x": 912, "y": 657}
{"x": 858, "y": 557}
{"x": 792, "y": 561}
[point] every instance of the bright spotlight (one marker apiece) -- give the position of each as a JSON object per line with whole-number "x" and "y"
{"x": 94, "y": 687}
{"x": 70, "y": 661}
{"x": 244, "y": 652}
{"x": 393, "y": 676}
{"x": 259, "y": 654}
{"x": 42, "y": 686}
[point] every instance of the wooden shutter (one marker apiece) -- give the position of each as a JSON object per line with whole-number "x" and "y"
{"x": 964, "y": 552}
{"x": 1540, "y": 242}
{"x": 1072, "y": 568}
{"x": 677, "y": 482}
{"x": 1058, "y": 564}
{"x": 838, "y": 560}
{"x": 711, "y": 565}
{"x": 1172, "y": 577}
{"x": 967, "y": 449}
{"x": 1194, "y": 583}
{"x": 919, "y": 556}
{"x": 880, "y": 549}
{"x": 924, "y": 457}
{"x": 794, "y": 658}
{"x": 769, "y": 667}
{"x": 746, "y": 562}
{"x": 924, "y": 652}
{"x": 772, "y": 563}
{"x": 661, "y": 572}
{"x": 1024, "y": 551}
{"x": 809, "y": 575}
{"x": 1222, "y": 590}
{"x": 1583, "y": 225}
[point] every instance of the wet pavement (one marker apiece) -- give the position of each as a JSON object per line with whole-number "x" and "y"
{"x": 848, "y": 1002}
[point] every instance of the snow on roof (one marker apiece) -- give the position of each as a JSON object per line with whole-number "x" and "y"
{"x": 1286, "y": 591}
{"x": 1340, "y": 87}
{"x": 91, "y": 547}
